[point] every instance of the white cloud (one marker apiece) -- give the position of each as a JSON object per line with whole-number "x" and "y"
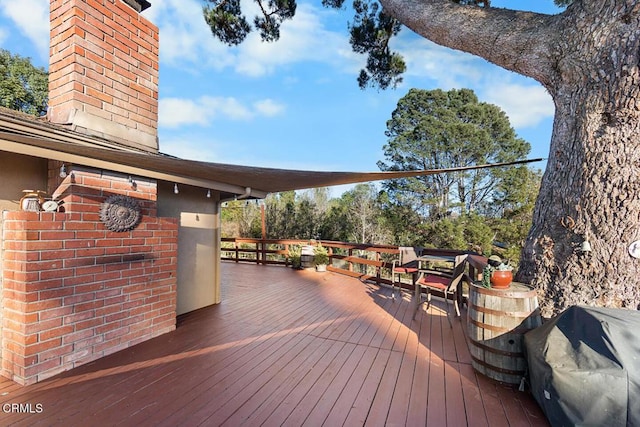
{"x": 526, "y": 105}
{"x": 32, "y": 19}
{"x": 447, "y": 68}
{"x": 184, "y": 148}
{"x": 185, "y": 38}
{"x": 268, "y": 107}
{"x": 305, "y": 38}
{"x": 175, "y": 112}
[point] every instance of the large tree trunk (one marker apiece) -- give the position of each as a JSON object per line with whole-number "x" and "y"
{"x": 591, "y": 187}
{"x": 588, "y": 60}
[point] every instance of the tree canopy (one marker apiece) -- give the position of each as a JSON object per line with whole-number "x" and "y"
{"x": 23, "y": 87}
{"x": 435, "y": 130}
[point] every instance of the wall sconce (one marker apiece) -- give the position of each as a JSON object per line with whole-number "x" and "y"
{"x": 208, "y": 194}
{"x": 175, "y": 189}
{"x": 585, "y": 248}
{"x": 63, "y": 171}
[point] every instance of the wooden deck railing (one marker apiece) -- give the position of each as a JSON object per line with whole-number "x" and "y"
{"x": 364, "y": 261}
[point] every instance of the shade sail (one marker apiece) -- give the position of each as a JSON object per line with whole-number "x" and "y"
{"x": 227, "y": 178}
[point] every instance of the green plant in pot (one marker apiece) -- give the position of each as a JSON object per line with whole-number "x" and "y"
{"x": 502, "y": 275}
{"x": 295, "y": 256}
{"x": 320, "y": 258}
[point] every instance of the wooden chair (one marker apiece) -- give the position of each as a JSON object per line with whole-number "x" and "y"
{"x": 407, "y": 263}
{"x": 445, "y": 283}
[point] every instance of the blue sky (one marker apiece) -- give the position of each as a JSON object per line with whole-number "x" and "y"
{"x": 296, "y": 103}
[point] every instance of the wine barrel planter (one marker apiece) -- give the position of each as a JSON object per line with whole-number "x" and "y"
{"x": 496, "y": 323}
{"x": 306, "y": 256}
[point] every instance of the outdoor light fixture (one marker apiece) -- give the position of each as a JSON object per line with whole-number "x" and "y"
{"x": 585, "y": 248}
{"x": 208, "y": 194}
{"x": 63, "y": 171}
{"x": 175, "y": 189}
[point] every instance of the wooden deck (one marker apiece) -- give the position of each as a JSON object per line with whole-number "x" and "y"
{"x": 286, "y": 348}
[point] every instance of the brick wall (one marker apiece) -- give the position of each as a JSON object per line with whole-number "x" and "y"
{"x": 84, "y": 189}
{"x": 74, "y": 291}
{"x": 103, "y": 70}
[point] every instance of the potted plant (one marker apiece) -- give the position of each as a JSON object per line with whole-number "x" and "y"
{"x": 320, "y": 258}
{"x": 295, "y": 256}
{"x": 502, "y": 275}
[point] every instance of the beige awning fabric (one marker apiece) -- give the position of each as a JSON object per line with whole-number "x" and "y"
{"x": 229, "y": 179}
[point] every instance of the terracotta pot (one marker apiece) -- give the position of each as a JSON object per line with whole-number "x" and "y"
{"x": 501, "y": 279}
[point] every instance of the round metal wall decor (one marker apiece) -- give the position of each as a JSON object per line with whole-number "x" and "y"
{"x": 120, "y": 213}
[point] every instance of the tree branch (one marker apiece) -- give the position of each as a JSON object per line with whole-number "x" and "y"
{"x": 515, "y": 40}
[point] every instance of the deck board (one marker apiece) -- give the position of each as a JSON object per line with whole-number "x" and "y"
{"x": 286, "y": 348}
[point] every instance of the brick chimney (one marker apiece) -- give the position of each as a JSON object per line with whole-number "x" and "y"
{"x": 103, "y": 70}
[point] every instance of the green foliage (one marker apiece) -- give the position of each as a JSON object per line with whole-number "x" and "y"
{"x": 23, "y": 87}
{"x": 387, "y": 223}
{"x": 280, "y": 210}
{"x": 320, "y": 255}
{"x": 362, "y": 218}
{"x": 241, "y": 218}
{"x": 436, "y": 129}
{"x": 269, "y": 24}
{"x": 295, "y": 256}
{"x": 511, "y": 224}
{"x": 468, "y": 232}
{"x": 296, "y": 216}
{"x": 226, "y": 21}
{"x": 370, "y": 32}
{"x": 230, "y": 25}
{"x": 335, "y": 225}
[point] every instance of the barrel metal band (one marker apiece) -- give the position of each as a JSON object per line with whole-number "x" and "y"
{"x": 519, "y": 330}
{"x": 505, "y": 293}
{"x": 518, "y": 314}
{"x": 496, "y": 350}
{"x": 497, "y": 369}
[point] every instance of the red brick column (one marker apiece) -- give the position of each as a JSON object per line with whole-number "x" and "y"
{"x": 104, "y": 63}
{"x": 74, "y": 292}
{"x": 84, "y": 189}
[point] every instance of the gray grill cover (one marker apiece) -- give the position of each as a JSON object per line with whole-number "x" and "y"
{"x": 584, "y": 367}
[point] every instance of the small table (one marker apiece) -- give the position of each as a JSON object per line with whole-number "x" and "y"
{"x": 435, "y": 258}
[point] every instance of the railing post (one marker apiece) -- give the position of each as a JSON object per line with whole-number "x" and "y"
{"x": 236, "y": 250}
{"x": 350, "y": 253}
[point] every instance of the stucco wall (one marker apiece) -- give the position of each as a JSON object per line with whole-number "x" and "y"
{"x": 198, "y": 243}
{"x": 17, "y": 173}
